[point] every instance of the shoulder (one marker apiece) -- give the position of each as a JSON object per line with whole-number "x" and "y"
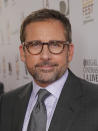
{"x": 90, "y": 89}
{"x": 87, "y": 88}
{"x": 16, "y": 92}
{"x": 1, "y": 88}
{"x": 89, "y": 94}
{"x": 1, "y": 84}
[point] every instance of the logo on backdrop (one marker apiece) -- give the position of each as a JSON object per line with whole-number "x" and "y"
{"x": 46, "y": 3}
{"x": 13, "y": 2}
{"x": 87, "y": 10}
{"x": 90, "y": 70}
{"x": 8, "y": 32}
{"x": 0, "y": 5}
{"x": 4, "y": 66}
{"x": 17, "y": 67}
{"x": 64, "y": 7}
{"x": 1, "y": 37}
{"x": 6, "y": 3}
{"x": 10, "y": 68}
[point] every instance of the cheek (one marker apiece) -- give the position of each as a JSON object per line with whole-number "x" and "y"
{"x": 30, "y": 61}
{"x": 61, "y": 59}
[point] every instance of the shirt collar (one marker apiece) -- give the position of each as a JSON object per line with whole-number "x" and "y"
{"x": 55, "y": 88}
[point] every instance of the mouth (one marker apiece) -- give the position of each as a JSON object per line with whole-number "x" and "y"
{"x": 46, "y": 67}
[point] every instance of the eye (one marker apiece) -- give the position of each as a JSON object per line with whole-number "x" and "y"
{"x": 55, "y": 44}
{"x": 36, "y": 43}
{"x": 33, "y": 44}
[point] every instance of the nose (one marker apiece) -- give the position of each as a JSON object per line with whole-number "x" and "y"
{"x": 45, "y": 54}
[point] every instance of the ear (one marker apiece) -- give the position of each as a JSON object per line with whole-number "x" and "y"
{"x": 22, "y": 53}
{"x": 70, "y": 52}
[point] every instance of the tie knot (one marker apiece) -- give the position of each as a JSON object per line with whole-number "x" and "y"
{"x": 43, "y": 94}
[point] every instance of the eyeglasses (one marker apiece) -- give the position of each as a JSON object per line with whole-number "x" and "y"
{"x": 36, "y": 47}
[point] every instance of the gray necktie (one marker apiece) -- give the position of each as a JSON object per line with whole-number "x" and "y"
{"x": 38, "y": 117}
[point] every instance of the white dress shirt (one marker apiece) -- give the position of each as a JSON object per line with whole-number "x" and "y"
{"x": 50, "y": 103}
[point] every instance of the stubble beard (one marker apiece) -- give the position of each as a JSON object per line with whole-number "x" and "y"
{"x": 48, "y": 76}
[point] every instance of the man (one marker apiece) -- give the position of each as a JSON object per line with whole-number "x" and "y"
{"x": 71, "y": 104}
{"x": 1, "y": 88}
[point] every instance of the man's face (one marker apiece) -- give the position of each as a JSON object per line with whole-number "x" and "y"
{"x": 45, "y": 67}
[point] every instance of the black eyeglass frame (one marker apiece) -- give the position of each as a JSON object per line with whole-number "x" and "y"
{"x": 27, "y": 44}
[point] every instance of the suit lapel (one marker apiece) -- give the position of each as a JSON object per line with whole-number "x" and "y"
{"x": 20, "y": 108}
{"x": 67, "y": 108}
{"x": 68, "y": 105}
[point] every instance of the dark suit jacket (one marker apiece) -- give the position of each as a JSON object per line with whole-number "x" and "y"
{"x": 1, "y": 88}
{"x": 76, "y": 110}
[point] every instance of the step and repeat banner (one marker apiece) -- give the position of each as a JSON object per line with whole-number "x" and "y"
{"x": 84, "y": 21}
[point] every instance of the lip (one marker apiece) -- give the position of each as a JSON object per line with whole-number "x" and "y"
{"x": 46, "y": 67}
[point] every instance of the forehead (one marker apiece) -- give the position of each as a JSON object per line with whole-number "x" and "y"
{"x": 45, "y": 28}
{"x": 49, "y": 22}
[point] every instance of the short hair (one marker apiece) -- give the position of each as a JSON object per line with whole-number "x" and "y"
{"x": 45, "y": 14}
